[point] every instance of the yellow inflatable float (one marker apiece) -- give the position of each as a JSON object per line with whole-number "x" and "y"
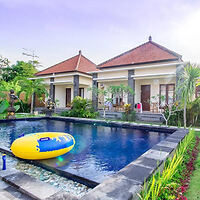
{"x": 42, "y": 145}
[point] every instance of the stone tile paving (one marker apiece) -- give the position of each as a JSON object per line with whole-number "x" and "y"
{"x": 8, "y": 192}
{"x": 26, "y": 187}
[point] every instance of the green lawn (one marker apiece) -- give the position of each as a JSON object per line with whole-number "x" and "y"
{"x": 193, "y": 192}
{"x": 18, "y": 115}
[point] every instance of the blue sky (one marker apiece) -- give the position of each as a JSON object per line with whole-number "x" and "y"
{"x": 57, "y": 29}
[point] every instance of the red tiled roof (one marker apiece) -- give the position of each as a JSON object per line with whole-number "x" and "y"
{"x": 147, "y": 52}
{"x": 78, "y": 63}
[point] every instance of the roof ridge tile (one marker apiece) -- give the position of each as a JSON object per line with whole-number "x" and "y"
{"x": 136, "y": 55}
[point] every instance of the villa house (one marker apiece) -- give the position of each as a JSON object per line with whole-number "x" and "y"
{"x": 149, "y": 69}
{"x": 68, "y": 79}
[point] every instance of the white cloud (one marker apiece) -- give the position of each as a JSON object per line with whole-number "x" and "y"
{"x": 187, "y": 34}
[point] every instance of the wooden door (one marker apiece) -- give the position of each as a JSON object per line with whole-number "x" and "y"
{"x": 68, "y": 97}
{"x": 145, "y": 97}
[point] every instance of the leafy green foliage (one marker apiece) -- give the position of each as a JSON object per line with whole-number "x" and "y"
{"x": 120, "y": 90}
{"x": 193, "y": 112}
{"x": 24, "y": 107}
{"x": 7, "y": 86}
{"x": 175, "y": 119}
{"x": 32, "y": 86}
{"x": 193, "y": 191}
{"x": 107, "y": 95}
{"x": 128, "y": 115}
{"x": 16, "y": 77}
{"x": 4, "y": 61}
{"x": 187, "y": 85}
{"x": 22, "y": 69}
{"x": 80, "y": 108}
{"x": 131, "y": 117}
{"x": 17, "y": 107}
{"x": 162, "y": 185}
{"x": 3, "y": 106}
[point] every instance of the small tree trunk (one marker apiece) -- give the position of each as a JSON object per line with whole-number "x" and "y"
{"x": 32, "y": 99}
{"x": 184, "y": 114}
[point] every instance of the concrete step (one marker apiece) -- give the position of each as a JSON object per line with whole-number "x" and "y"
{"x": 8, "y": 192}
{"x": 111, "y": 114}
{"x": 149, "y": 117}
{"x": 31, "y": 187}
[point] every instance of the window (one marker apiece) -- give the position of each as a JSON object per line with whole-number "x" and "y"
{"x": 197, "y": 94}
{"x": 81, "y": 92}
{"x": 167, "y": 91}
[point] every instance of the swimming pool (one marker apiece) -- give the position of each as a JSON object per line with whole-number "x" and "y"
{"x": 100, "y": 150}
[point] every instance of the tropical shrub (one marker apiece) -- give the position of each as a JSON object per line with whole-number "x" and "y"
{"x": 193, "y": 112}
{"x": 186, "y": 87}
{"x": 24, "y": 107}
{"x": 4, "y": 104}
{"x": 164, "y": 185}
{"x": 80, "y": 108}
{"x": 129, "y": 114}
{"x": 106, "y": 96}
{"x": 176, "y": 118}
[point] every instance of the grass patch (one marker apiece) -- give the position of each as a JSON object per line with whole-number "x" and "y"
{"x": 174, "y": 181}
{"x": 18, "y": 115}
{"x": 165, "y": 185}
{"x": 193, "y": 193}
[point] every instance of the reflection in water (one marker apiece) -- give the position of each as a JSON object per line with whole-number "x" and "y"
{"x": 99, "y": 150}
{"x": 59, "y": 161}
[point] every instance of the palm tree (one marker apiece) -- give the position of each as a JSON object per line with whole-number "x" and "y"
{"x": 187, "y": 85}
{"x": 31, "y": 87}
{"x": 22, "y": 84}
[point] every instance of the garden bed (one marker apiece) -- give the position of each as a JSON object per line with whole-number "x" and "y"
{"x": 173, "y": 182}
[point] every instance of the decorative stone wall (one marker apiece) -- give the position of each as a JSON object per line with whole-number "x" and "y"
{"x": 94, "y": 97}
{"x": 76, "y": 85}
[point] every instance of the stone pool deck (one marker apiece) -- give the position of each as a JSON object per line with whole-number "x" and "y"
{"x": 127, "y": 183}
{"x": 18, "y": 185}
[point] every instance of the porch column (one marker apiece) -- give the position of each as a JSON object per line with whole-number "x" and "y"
{"x": 94, "y": 96}
{"x": 131, "y": 83}
{"x": 76, "y": 85}
{"x": 179, "y": 72}
{"x": 52, "y": 89}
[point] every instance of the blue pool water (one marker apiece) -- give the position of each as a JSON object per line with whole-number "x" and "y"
{"x": 99, "y": 152}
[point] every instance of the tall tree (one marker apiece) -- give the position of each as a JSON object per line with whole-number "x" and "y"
{"x": 7, "y": 86}
{"x": 31, "y": 87}
{"x": 21, "y": 68}
{"x": 3, "y": 61}
{"x": 187, "y": 86}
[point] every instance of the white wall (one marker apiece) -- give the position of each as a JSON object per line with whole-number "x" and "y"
{"x": 155, "y": 86}
{"x": 86, "y": 82}
{"x": 113, "y": 74}
{"x": 60, "y": 94}
{"x": 156, "y": 70}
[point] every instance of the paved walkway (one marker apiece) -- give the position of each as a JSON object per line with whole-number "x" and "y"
{"x": 19, "y": 185}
